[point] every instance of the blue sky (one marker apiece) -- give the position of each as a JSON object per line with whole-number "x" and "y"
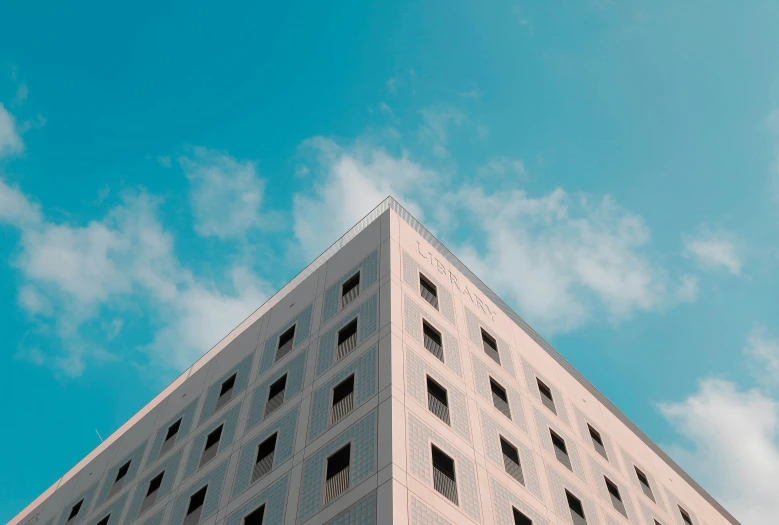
{"x": 165, "y": 168}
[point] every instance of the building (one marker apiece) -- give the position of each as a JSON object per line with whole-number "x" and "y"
{"x": 384, "y": 384}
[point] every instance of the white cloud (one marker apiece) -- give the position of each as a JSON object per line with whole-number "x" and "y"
{"x": 503, "y": 166}
{"x": 763, "y": 349}
{"x": 351, "y": 182}
{"x": 434, "y": 130}
{"x": 688, "y": 288}
{"x": 10, "y": 141}
{"x": 735, "y": 447}
{"x": 714, "y": 250}
{"x": 226, "y": 194}
{"x": 560, "y": 258}
{"x": 76, "y": 274}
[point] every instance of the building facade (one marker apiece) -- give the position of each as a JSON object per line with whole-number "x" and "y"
{"x": 384, "y": 384}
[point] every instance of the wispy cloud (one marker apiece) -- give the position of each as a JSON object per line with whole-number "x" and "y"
{"x": 226, "y": 194}
{"x": 75, "y": 274}
{"x": 715, "y": 250}
{"x": 733, "y": 436}
{"x": 503, "y": 165}
{"x": 10, "y": 140}
{"x": 436, "y": 125}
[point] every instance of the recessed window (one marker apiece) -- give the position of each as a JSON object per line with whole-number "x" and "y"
{"x": 343, "y": 399}
{"x": 195, "y": 507}
{"x": 286, "y": 341}
{"x": 546, "y": 396}
{"x": 122, "y": 472}
{"x": 616, "y": 497}
{"x": 276, "y": 395}
{"x": 104, "y": 521}
{"x": 75, "y": 509}
{"x": 428, "y": 290}
{"x": 685, "y": 516}
{"x": 350, "y": 290}
{"x": 173, "y": 430}
{"x": 490, "y": 346}
{"x": 155, "y": 483}
{"x": 520, "y": 519}
{"x": 644, "y": 481}
{"x": 226, "y": 392}
{"x": 212, "y": 446}
{"x": 264, "y": 462}
{"x": 444, "y": 479}
{"x": 255, "y": 516}
{"x": 499, "y": 398}
{"x": 347, "y": 339}
{"x": 597, "y": 442}
{"x": 337, "y": 474}
{"x": 577, "y": 511}
{"x": 511, "y": 460}
{"x": 560, "y": 450}
{"x": 432, "y": 339}
{"x": 437, "y": 400}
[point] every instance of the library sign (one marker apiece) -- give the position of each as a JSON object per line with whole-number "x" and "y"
{"x": 475, "y": 299}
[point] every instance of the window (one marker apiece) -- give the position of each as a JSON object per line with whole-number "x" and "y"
{"x": 560, "y": 450}
{"x": 444, "y": 480}
{"x": 499, "y": 398}
{"x": 275, "y": 395}
{"x": 428, "y": 290}
{"x": 521, "y": 519}
{"x": 347, "y": 339}
{"x": 285, "y": 342}
{"x": 577, "y": 511}
{"x": 546, "y": 396}
{"x": 644, "y": 481}
{"x": 685, "y": 516}
{"x": 597, "y": 442}
{"x": 337, "y": 475}
{"x": 265, "y": 453}
{"x": 437, "y": 400}
{"x": 122, "y": 472}
{"x": 75, "y": 509}
{"x": 151, "y": 492}
{"x": 104, "y": 521}
{"x": 255, "y": 516}
{"x": 350, "y": 290}
{"x": 170, "y": 437}
{"x": 119, "y": 481}
{"x": 195, "y": 506}
{"x": 212, "y": 446}
{"x": 511, "y": 460}
{"x": 616, "y": 498}
{"x": 343, "y": 399}
{"x": 155, "y": 483}
{"x": 432, "y": 339}
{"x": 490, "y": 346}
{"x": 226, "y": 392}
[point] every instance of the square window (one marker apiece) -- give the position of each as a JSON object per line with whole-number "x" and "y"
{"x": 347, "y": 339}
{"x": 644, "y": 481}
{"x": 104, "y": 521}
{"x": 265, "y": 453}
{"x": 685, "y": 516}
{"x": 350, "y": 290}
{"x": 338, "y": 461}
{"x": 437, "y": 400}
{"x": 214, "y": 437}
{"x": 500, "y": 399}
{"x": 444, "y": 479}
{"x": 276, "y": 395}
{"x": 432, "y": 340}
{"x": 575, "y": 505}
{"x": 520, "y": 519}
{"x": 490, "y": 346}
{"x": 337, "y": 474}
{"x": 560, "y": 449}
{"x": 343, "y": 399}
{"x": 546, "y": 396}
{"x": 155, "y": 484}
{"x": 616, "y": 498}
{"x": 286, "y": 341}
{"x": 343, "y": 389}
{"x": 255, "y": 516}
{"x": 122, "y": 472}
{"x": 597, "y": 442}
{"x": 173, "y": 430}
{"x": 75, "y": 509}
{"x": 196, "y": 500}
{"x": 511, "y": 460}
{"x": 228, "y": 385}
{"x": 428, "y": 290}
